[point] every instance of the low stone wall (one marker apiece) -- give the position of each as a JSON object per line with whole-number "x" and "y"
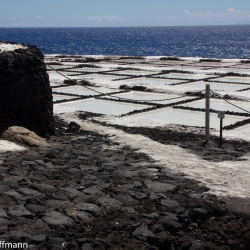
{"x": 25, "y": 92}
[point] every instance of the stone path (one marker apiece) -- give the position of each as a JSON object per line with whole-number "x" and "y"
{"x": 86, "y": 191}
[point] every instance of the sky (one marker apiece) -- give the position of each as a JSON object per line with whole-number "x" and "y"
{"x": 120, "y": 13}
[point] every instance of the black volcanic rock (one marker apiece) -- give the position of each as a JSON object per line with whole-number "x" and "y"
{"x": 25, "y": 92}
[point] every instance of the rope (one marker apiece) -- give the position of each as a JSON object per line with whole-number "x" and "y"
{"x": 109, "y": 94}
{"x": 230, "y": 102}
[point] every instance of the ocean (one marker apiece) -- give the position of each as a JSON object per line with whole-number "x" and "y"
{"x": 183, "y": 41}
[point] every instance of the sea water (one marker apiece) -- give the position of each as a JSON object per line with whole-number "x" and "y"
{"x": 184, "y": 41}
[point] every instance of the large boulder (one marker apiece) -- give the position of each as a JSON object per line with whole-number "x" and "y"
{"x": 25, "y": 92}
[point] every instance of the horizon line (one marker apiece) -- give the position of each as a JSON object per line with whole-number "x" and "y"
{"x": 197, "y": 25}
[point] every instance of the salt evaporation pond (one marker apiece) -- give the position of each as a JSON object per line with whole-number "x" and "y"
{"x": 154, "y": 81}
{"x": 103, "y": 106}
{"x": 80, "y": 90}
{"x": 186, "y": 67}
{"x": 243, "y": 129}
{"x": 57, "y": 97}
{"x": 215, "y": 86}
{"x": 186, "y": 117}
{"x": 127, "y": 60}
{"x": 57, "y": 66}
{"x": 147, "y": 97}
{"x": 239, "y": 133}
{"x": 172, "y": 62}
{"x": 234, "y": 79}
{"x": 103, "y": 77}
{"x": 91, "y": 77}
{"x": 162, "y": 82}
{"x": 220, "y": 105}
{"x": 54, "y": 84}
{"x": 185, "y": 76}
{"x": 243, "y": 66}
{"x": 135, "y": 72}
{"x": 245, "y": 94}
{"x": 55, "y": 77}
{"x": 213, "y": 64}
{"x": 89, "y": 69}
{"x": 227, "y": 70}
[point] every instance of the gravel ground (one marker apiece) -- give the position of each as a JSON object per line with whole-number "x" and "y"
{"x": 86, "y": 191}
